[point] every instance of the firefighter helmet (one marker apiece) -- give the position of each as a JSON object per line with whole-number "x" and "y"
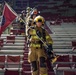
{"x": 39, "y": 19}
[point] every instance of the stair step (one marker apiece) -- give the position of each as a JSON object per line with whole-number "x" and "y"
{"x": 26, "y": 73}
{"x": 14, "y": 44}
{"x": 12, "y": 48}
{"x": 11, "y": 52}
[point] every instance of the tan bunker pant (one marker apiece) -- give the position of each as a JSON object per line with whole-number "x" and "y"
{"x": 37, "y": 57}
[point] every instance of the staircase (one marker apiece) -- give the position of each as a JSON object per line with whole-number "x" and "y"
{"x": 26, "y": 66}
{"x": 62, "y": 36}
{"x": 13, "y": 51}
{"x": 17, "y": 46}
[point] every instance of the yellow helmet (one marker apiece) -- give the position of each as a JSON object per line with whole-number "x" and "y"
{"x": 39, "y": 19}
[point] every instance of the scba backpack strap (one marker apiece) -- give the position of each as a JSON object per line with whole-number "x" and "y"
{"x": 41, "y": 35}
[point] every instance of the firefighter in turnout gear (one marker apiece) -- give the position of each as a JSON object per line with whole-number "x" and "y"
{"x": 30, "y": 19}
{"x": 37, "y": 55}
